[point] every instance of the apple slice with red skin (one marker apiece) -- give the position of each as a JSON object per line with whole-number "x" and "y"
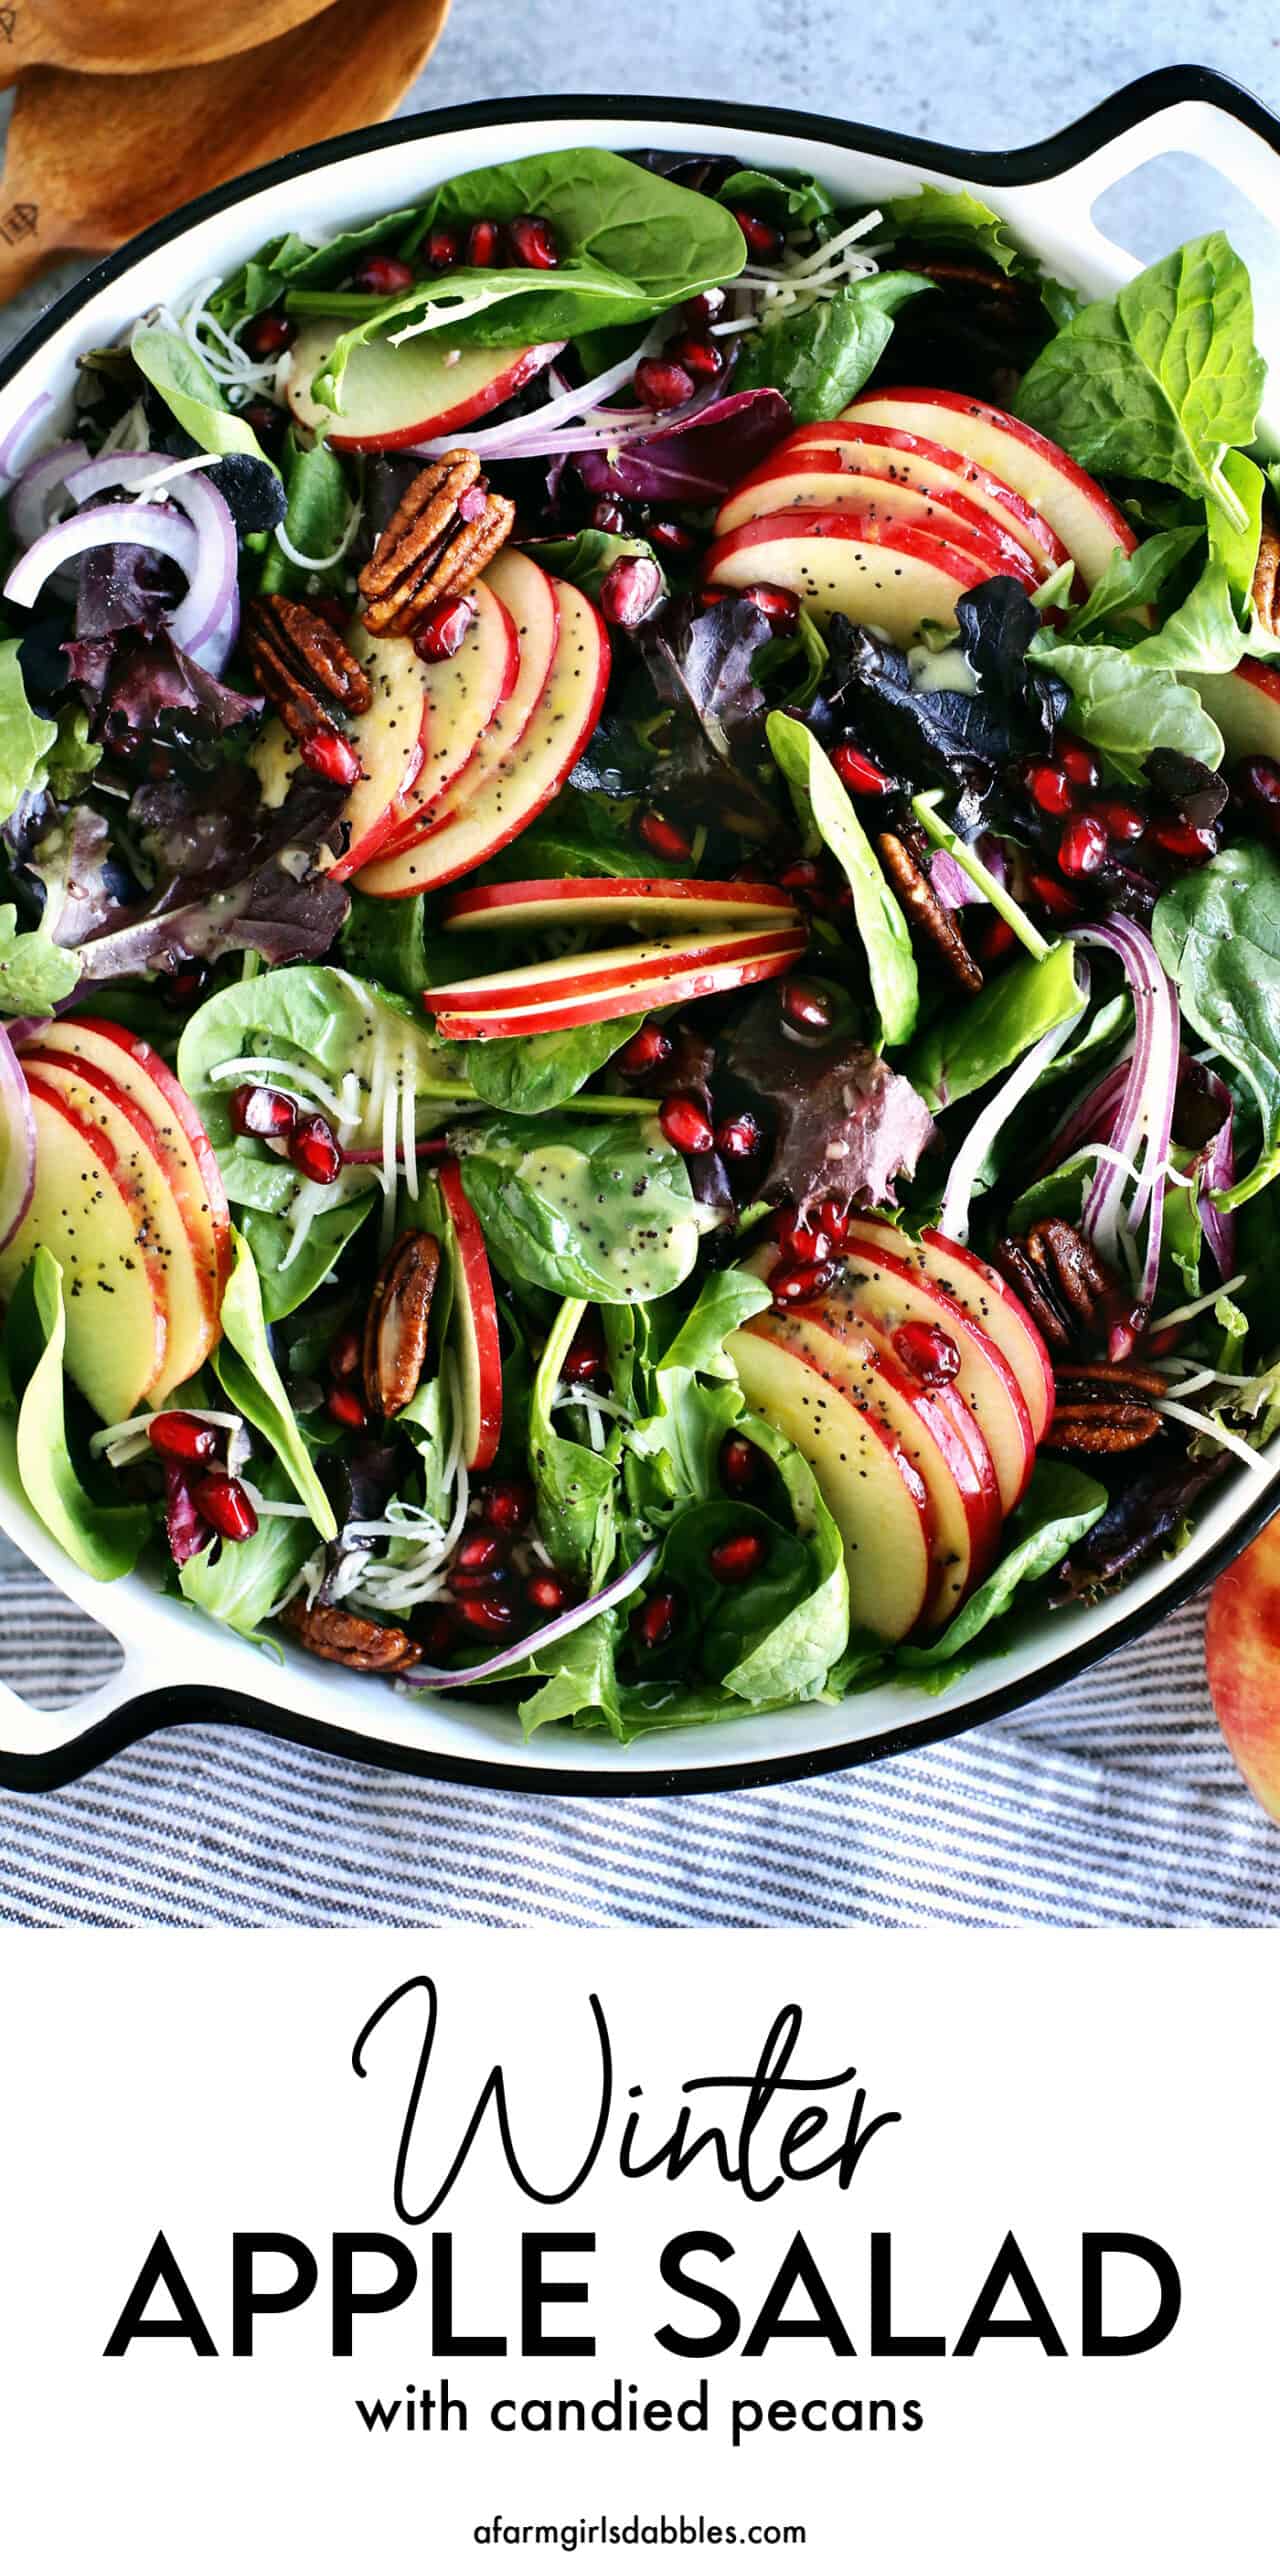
{"x": 880, "y": 1284}
{"x": 90, "y": 1215}
{"x": 191, "y": 1307}
{"x": 914, "y": 462}
{"x": 402, "y": 395}
{"x": 510, "y": 904}
{"x": 389, "y": 740}
{"x": 631, "y": 995}
{"x": 460, "y": 697}
{"x": 581, "y": 973}
{"x": 1242, "y": 1657}
{"x": 811, "y": 485}
{"x": 895, "y": 579}
{"x": 933, "y": 1427}
{"x": 1246, "y": 706}
{"x": 1091, "y": 528}
{"x": 979, "y": 1292}
{"x": 521, "y": 760}
{"x": 185, "y": 1151}
{"x": 873, "y": 1493}
{"x": 476, "y": 1323}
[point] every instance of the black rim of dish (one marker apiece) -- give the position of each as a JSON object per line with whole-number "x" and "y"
{"x": 1136, "y": 104}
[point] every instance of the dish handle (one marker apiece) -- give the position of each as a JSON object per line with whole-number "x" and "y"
{"x": 40, "y": 1746}
{"x": 1185, "y": 109}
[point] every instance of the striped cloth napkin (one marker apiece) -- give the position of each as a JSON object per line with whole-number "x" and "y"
{"x": 1113, "y": 1801}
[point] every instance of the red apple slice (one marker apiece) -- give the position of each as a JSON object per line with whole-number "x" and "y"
{"x": 1242, "y": 1658}
{"x": 187, "y": 1156}
{"x": 97, "y": 1102}
{"x": 807, "y": 483}
{"x": 915, "y": 462}
{"x": 509, "y": 904}
{"x": 895, "y": 579}
{"x": 1081, "y": 514}
{"x": 90, "y": 1215}
{"x": 520, "y": 761}
{"x": 632, "y": 995}
{"x": 388, "y": 738}
{"x": 476, "y": 1325}
{"x": 935, "y": 1430}
{"x": 460, "y": 697}
{"x": 878, "y": 1281}
{"x": 875, "y": 1496}
{"x": 581, "y": 973}
{"x": 402, "y": 395}
{"x": 1246, "y": 706}
{"x": 981, "y": 1293}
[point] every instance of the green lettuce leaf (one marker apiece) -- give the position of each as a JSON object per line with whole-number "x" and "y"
{"x": 819, "y": 357}
{"x": 104, "y": 1539}
{"x": 823, "y": 806}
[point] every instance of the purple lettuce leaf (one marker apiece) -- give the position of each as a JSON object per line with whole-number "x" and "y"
{"x": 693, "y": 465}
{"x": 140, "y": 689}
{"x": 843, "y": 1124}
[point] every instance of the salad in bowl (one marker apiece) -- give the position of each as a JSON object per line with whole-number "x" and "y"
{"x": 640, "y": 938}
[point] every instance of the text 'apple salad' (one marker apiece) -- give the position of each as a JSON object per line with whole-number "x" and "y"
{"x": 640, "y": 958}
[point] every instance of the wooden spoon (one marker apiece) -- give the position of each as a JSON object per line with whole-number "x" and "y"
{"x": 135, "y": 35}
{"x": 91, "y": 161}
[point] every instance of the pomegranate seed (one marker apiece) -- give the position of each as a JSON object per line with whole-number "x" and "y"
{"x": 739, "y": 1138}
{"x": 483, "y": 243}
{"x": 1258, "y": 779}
{"x": 584, "y": 1359}
{"x": 805, "y": 1007}
{"x": 266, "y": 421}
{"x": 1123, "y": 820}
{"x": 928, "y": 1352}
{"x": 268, "y": 335}
{"x": 473, "y": 501}
{"x": 705, "y": 307}
{"x": 649, "y": 1047}
{"x": 659, "y": 385}
{"x": 663, "y": 836}
{"x": 1053, "y": 894}
{"x": 675, "y": 538}
{"x": 179, "y": 1435}
{"x": 992, "y": 940}
{"x": 803, "y": 877}
{"x": 1049, "y": 788}
{"x": 608, "y": 517}
{"x": 833, "y": 1220}
{"x": 258, "y": 1112}
{"x": 860, "y": 773}
{"x": 763, "y": 239}
{"x": 738, "y": 1558}
{"x": 489, "y": 1612}
{"x": 383, "y": 275}
{"x": 794, "y": 1282}
{"x": 346, "y": 1408}
{"x": 479, "y": 1550}
{"x": 533, "y": 242}
{"x": 1080, "y": 766}
{"x": 330, "y": 756}
{"x": 439, "y": 1634}
{"x": 630, "y": 592}
{"x": 1083, "y": 847}
{"x": 315, "y": 1150}
{"x": 741, "y": 1463}
{"x": 493, "y": 1580}
{"x": 655, "y": 1621}
{"x": 508, "y": 1504}
{"x": 186, "y": 986}
{"x": 685, "y": 1123}
{"x": 777, "y": 604}
{"x": 699, "y": 356}
{"x": 544, "y": 1592}
{"x": 800, "y": 1242}
{"x": 443, "y": 629}
{"x": 346, "y": 1354}
{"x": 441, "y": 250}
{"x": 1188, "y": 843}
{"x": 226, "y": 1507}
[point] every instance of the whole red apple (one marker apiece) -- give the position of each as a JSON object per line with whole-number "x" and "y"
{"x": 1242, "y": 1656}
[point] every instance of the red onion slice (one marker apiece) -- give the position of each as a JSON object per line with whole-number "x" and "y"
{"x": 17, "y": 1143}
{"x": 1218, "y": 1226}
{"x": 155, "y": 528}
{"x": 34, "y": 491}
{"x": 558, "y": 411}
{"x": 1143, "y": 1119}
{"x": 567, "y": 1624}
{"x": 16, "y": 439}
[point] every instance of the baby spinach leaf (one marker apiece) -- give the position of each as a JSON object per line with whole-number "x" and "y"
{"x": 576, "y": 1487}
{"x": 545, "y": 1068}
{"x": 820, "y": 356}
{"x": 385, "y": 939}
{"x": 240, "y": 1583}
{"x": 1125, "y": 708}
{"x": 965, "y": 1047}
{"x": 287, "y": 1285}
{"x": 104, "y": 1539}
{"x": 316, "y": 518}
{"x": 603, "y": 1212}
{"x": 35, "y": 972}
{"x": 1130, "y": 580}
{"x": 823, "y": 806}
{"x": 170, "y": 364}
{"x": 1217, "y": 932}
{"x": 1058, "y": 1508}
{"x": 727, "y": 1299}
{"x": 246, "y": 1369}
{"x": 25, "y": 739}
{"x": 793, "y": 1659}
{"x": 678, "y": 1442}
{"x": 293, "y": 260}
{"x": 1159, "y": 381}
{"x": 1202, "y": 635}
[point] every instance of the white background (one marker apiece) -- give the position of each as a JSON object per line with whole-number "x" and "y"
{"x": 1046, "y": 2084}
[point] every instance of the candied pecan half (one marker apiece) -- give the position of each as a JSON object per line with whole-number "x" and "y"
{"x": 962, "y": 271}
{"x": 303, "y": 665}
{"x": 1266, "y": 575}
{"x": 926, "y": 914}
{"x": 359, "y": 1644}
{"x": 395, "y": 1331}
{"x": 1104, "y": 1413}
{"x": 445, "y": 531}
{"x": 1058, "y": 1274}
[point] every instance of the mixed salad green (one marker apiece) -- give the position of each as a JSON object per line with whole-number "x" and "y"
{"x": 640, "y": 938}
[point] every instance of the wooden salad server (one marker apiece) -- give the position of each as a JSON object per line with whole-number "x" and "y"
{"x": 135, "y": 35}
{"x": 90, "y": 161}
